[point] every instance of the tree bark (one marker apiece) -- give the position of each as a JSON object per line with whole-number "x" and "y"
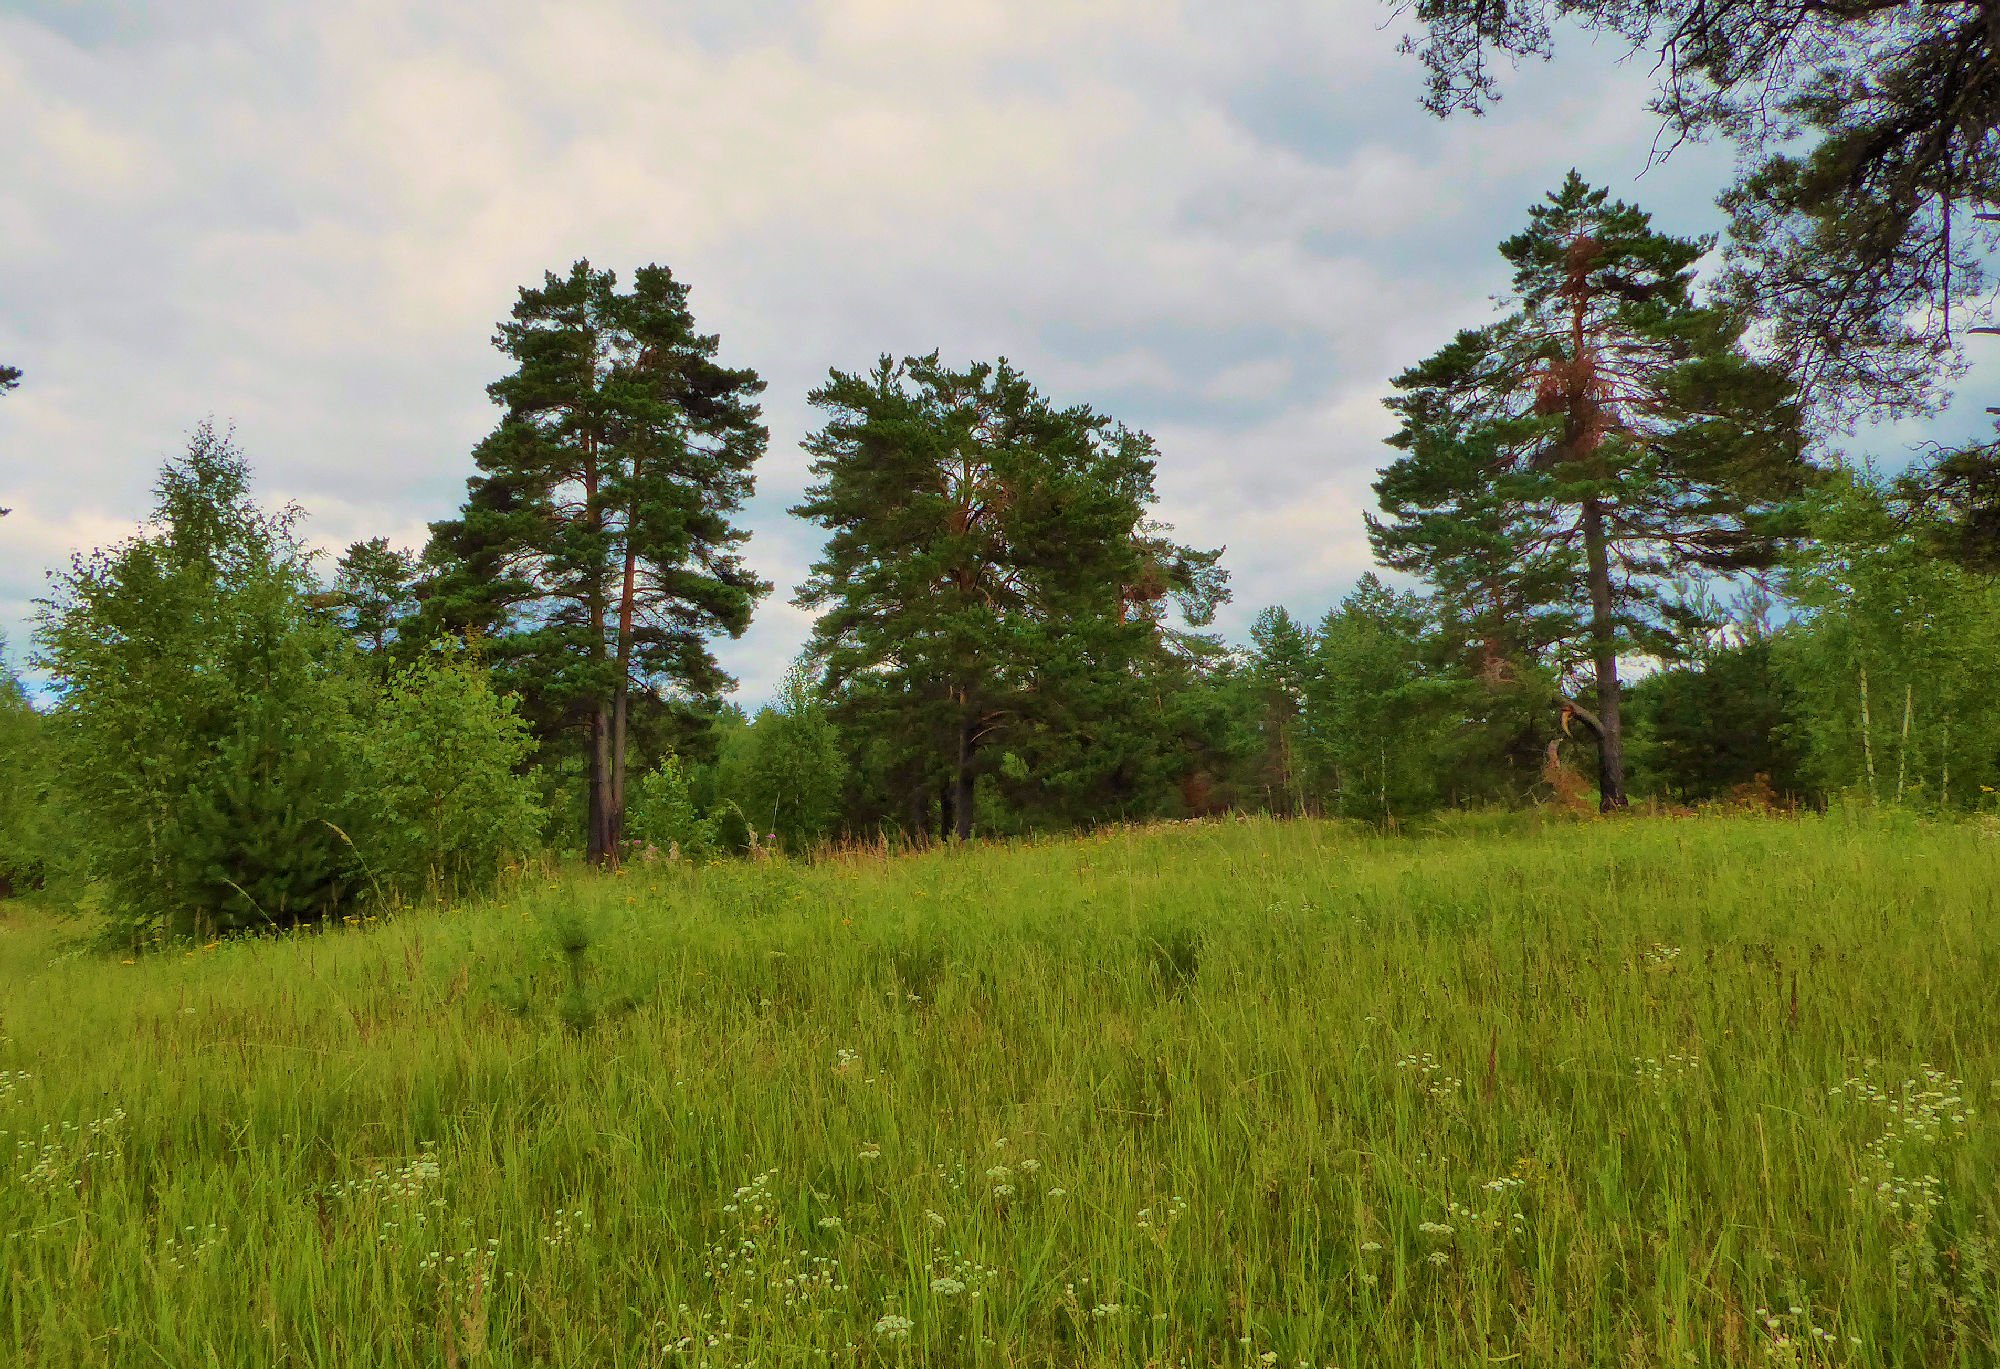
{"x": 962, "y": 781}
{"x": 621, "y": 692}
{"x": 1604, "y": 649}
{"x": 599, "y": 847}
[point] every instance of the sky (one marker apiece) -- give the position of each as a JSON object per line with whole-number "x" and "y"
{"x": 1226, "y": 224}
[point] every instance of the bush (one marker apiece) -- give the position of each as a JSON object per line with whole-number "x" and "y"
{"x": 449, "y": 806}
{"x": 661, "y": 819}
{"x": 203, "y": 714}
{"x": 27, "y": 814}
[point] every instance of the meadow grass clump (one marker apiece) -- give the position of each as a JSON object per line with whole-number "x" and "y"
{"x": 1246, "y": 1093}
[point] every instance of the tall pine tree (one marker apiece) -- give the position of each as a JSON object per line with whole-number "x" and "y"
{"x": 1562, "y": 465}
{"x": 990, "y": 580}
{"x": 598, "y": 548}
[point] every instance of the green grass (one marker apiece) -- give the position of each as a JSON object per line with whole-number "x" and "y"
{"x": 1235, "y": 1093}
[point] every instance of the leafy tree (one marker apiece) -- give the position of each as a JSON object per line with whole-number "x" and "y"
{"x": 1380, "y": 704}
{"x": 1280, "y": 662}
{"x": 449, "y": 805}
{"x": 991, "y": 583}
{"x": 1719, "y": 724}
{"x": 1868, "y": 131}
{"x": 373, "y": 595}
{"x": 1609, "y": 434}
{"x": 1892, "y": 661}
{"x": 597, "y": 548}
{"x": 793, "y": 770}
{"x": 665, "y": 817}
{"x": 28, "y": 831}
{"x": 203, "y": 712}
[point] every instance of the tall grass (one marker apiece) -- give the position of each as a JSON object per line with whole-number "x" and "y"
{"x": 1709, "y": 1092}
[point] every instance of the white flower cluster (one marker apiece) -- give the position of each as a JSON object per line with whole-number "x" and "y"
{"x": 1661, "y": 1071}
{"x": 58, "y": 1156}
{"x": 566, "y": 1226}
{"x": 955, "y": 1275}
{"x": 1431, "y": 1076}
{"x": 1924, "y": 1114}
{"x": 403, "y": 1183}
{"x": 190, "y": 1243}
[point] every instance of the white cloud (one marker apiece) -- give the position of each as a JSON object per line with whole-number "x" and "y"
{"x": 1226, "y": 224}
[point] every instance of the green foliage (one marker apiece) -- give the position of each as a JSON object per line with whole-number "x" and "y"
{"x": 373, "y": 597}
{"x": 597, "y": 554}
{"x": 1280, "y": 672}
{"x": 30, "y": 835}
{"x": 1380, "y": 708}
{"x": 1852, "y": 223}
{"x": 1891, "y": 629}
{"x": 450, "y": 806}
{"x": 991, "y": 583}
{"x": 663, "y": 821}
{"x": 1724, "y": 723}
{"x": 786, "y": 770}
{"x": 203, "y": 715}
{"x": 1348, "y": 1055}
{"x": 1562, "y": 467}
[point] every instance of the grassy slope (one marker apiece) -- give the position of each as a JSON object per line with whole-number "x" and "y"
{"x": 1187, "y": 1095}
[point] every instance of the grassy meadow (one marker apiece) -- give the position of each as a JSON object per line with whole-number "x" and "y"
{"x": 1647, "y": 1092}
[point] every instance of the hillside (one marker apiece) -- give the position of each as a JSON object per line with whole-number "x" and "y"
{"x": 1649, "y": 1092}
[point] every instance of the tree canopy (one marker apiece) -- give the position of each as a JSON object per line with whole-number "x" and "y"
{"x": 1560, "y": 466}
{"x": 1868, "y": 132}
{"x": 598, "y": 550}
{"x": 992, "y": 579}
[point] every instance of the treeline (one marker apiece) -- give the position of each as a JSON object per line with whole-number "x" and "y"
{"x": 1629, "y": 570}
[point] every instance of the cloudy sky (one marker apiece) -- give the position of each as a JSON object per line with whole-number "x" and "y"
{"x": 1227, "y": 223}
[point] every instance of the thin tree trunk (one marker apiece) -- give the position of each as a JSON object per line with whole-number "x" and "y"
{"x": 1867, "y": 737}
{"x": 1604, "y": 648}
{"x": 1944, "y": 780}
{"x": 1903, "y": 745}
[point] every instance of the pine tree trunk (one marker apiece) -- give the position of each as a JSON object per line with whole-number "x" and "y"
{"x": 598, "y": 846}
{"x": 1604, "y": 649}
{"x": 622, "y": 692}
{"x": 961, "y": 784}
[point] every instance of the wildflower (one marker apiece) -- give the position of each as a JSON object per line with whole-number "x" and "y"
{"x": 946, "y": 1286}
{"x": 870, "y": 1150}
{"x": 936, "y": 1219}
{"x": 893, "y": 1327}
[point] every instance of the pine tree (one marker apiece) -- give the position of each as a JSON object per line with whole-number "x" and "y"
{"x": 990, "y": 581}
{"x": 1870, "y": 134}
{"x": 597, "y": 547}
{"x": 1280, "y": 662}
{"x": 373, "y": 595}
{"x": 1563, "y": 465}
